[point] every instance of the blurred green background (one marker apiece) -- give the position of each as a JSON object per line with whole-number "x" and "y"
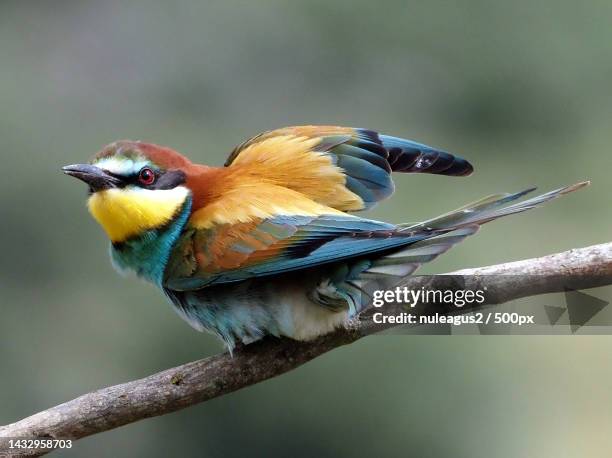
{"x": 522, "y": 89}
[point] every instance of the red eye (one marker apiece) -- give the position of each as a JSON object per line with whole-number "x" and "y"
{"x": 146, "y": 176}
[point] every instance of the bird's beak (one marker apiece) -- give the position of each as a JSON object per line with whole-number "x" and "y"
{"x": 94, "y": 176}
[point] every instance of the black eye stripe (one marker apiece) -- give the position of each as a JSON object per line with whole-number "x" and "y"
{"x": 163, "y": 179}
{"x": 169, "y": 180}
{"x": 115, "y": 175}
{"x": 126, "y": 180}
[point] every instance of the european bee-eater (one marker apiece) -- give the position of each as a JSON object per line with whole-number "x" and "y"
{"x": 267, "y": 244}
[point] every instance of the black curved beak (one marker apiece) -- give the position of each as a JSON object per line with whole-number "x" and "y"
{"x": 95, "y": 177}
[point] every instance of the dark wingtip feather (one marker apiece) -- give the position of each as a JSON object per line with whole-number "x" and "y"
{"x": 407, "y": 156}
{"x": 459, "y": 168}
{"x": 368, "y": 134}
{"x": 431, "y": 161}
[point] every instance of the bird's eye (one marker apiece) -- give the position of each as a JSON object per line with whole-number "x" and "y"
{"x": 146, "y": 176}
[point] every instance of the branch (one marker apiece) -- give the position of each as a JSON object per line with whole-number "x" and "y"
{"x": 199, "y": 381}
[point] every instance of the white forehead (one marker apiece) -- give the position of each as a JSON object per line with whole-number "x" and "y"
{"x": 121, "y": 165}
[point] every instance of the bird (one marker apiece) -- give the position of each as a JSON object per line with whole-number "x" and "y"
{"x": 269, "y": 243}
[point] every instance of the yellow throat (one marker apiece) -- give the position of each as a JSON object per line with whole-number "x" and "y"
{"x": 127, "y": 212}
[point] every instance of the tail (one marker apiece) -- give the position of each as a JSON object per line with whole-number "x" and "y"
{"x": 488, "y": 209}
{"x": 438, "y": 236}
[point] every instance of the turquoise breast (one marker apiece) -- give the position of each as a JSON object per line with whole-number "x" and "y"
{"x": 148, "y": 254}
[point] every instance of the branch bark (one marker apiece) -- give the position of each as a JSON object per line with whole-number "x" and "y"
{"x": 199, "y": 381}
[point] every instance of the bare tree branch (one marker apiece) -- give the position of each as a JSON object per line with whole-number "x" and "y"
{"x": 199, "y": 381}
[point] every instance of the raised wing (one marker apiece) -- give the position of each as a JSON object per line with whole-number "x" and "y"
{"x": 345, "y": 168}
